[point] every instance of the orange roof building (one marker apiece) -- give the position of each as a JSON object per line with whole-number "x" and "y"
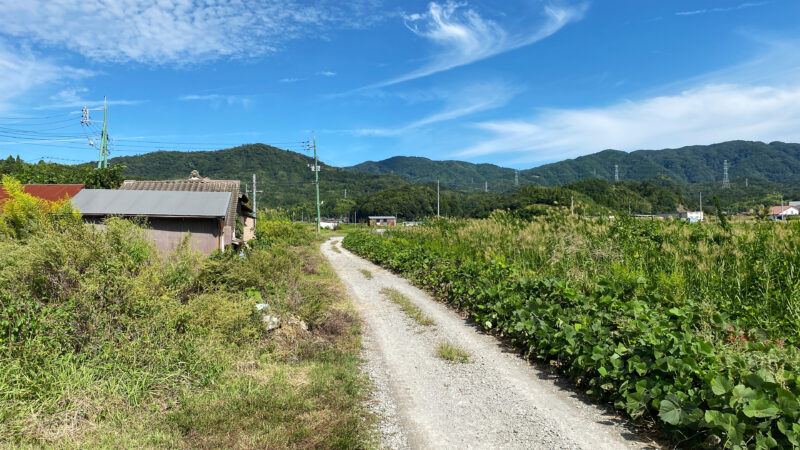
{"x": 50, "y": 192}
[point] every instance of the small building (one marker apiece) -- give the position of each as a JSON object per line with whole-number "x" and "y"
{"x": 783, "y": 212}
{"x": 237, "y": 214}
{"x": 382, "y": 221}
{"x": 692, "y": 216}
{"x": 169, "y": 214}
{"x": 49, "y": 192}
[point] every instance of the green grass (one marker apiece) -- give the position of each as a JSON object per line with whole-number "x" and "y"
{"x": 335, "y": 248}
{"x": 407, "y": 306}
{"x": 367, "y": 274}
{"x": 452, "y": 352}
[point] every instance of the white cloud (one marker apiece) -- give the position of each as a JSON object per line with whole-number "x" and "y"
{"x": 721, "y": 9}
{"x": 464, "y": 36}
{"x": 21, "y": 72}
{"x": 327, "y": 73}
{"x": 176, "y": 31}
{"x": 459, "y": 103}
{"x": 704, "y": 115}
{"x": 217, "y": 99}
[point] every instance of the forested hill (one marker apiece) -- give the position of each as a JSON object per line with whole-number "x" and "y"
{"x": 284, "y": 177}
{"x": 459, "y": 175}
{"x": 777, "y": 162}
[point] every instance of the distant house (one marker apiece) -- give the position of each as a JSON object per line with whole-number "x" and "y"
{"x": 49, "y": 192}
{"x": 382, "y": 221}
{"x": 783, "y": 212}
{"x": 692, "y": 216}
{"x": 169, "y": 214}
{"x": 237, "y": 211}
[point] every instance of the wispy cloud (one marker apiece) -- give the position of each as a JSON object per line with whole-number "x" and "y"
{"x": 722, "y": 9}
{"x": 76, "y": 98}
{"x": 22, "y": 72}
{"x": 704, "y": 115}
{"x": 327, "y": 73}
{"x": 177, "y": 31}
{"x": 458, "y": 103}
{"x": 463, "y": 36}
{"x": 217, "y": 99}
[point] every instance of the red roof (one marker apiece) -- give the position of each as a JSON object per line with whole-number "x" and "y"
{"x": 50, "y": 192}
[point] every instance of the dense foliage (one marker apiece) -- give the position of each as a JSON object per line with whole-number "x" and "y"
{"x": 690, "y": 327}
{"x": 52, "y": 173}
{"x": 106, "y": 343}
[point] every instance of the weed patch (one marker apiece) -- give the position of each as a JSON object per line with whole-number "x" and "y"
{"x": 367, "y": 274}
{"x": 407, "y": 306}
{"x": 452, "y": 352}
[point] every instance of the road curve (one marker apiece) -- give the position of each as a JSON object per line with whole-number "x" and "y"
{"x": 497, "y": 400}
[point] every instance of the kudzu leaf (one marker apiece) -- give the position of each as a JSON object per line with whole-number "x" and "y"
{"x": 670, "y": 410}
{"x": 761, "y": 407}
{"x": 721, "y": 385}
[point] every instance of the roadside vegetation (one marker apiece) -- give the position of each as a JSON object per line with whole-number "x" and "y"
{"x": 688, "y": 328}
{"x": 452, "y": 352}
{"x": 106, "y": 343}
{"x": 408, "y": 306}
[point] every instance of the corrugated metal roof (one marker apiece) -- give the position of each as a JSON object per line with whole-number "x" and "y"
{"x": 382, "y": 217}
{"x": 49, "y": 192}
{"x": 192, "y": 184}
{"x": 107, "y": 202}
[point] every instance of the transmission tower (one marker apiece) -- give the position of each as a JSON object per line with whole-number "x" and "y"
{"x": 726, "y": 183}
{"x": 616, "y": 173}
{"x": 102, "y": 159}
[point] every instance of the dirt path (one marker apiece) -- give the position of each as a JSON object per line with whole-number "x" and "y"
{"x": 497, "y": 400}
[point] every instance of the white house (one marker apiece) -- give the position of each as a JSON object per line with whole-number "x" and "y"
{"x": 783, "y": 212}
{"x": 692, "y": 216}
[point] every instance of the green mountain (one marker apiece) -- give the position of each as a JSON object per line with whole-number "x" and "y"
{"x": 460, "y": 175}
{"x": 284, "y": 177}
{"x": 777, "y": 162}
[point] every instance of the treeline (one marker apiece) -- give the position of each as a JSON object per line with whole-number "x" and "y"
{"x": 53, "y": 173}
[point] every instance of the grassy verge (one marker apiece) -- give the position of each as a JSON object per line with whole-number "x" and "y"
{"x": 105, "y": 343}
{"x": 407, "y": 306}
{"x": 367, "y": 274}
{"x": 452, "y": 352}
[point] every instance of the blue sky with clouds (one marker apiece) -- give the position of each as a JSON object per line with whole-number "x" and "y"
{"x": 516, "y": 83}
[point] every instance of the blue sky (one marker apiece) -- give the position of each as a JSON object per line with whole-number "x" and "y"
{"x": 515, "y": 82}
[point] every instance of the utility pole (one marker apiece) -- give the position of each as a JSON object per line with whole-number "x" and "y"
{"x": 316, "y": 178}
{"x": 255, "y": 208}
{"x": 516, "y": 178}
{"x": 726, "y": 183}
{"x": 437, "y": 198}
{"x": 571, "y": 205}
{"x": 616, "y": 173}
{"x": 486, "y": 186}
{"x": 102, "y": 159}
{"x": 345, "y": 193}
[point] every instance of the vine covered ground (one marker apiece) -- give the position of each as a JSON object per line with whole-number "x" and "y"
{"x": 689, "y": 328}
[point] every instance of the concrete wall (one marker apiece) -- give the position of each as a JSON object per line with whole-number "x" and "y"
{"x": 249, "y": 228}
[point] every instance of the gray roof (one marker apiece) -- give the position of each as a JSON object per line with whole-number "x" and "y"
{"x": 382, "y": 217}
{"x": 108, "y": 202}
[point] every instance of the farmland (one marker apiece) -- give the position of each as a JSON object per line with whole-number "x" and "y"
{"x": 690, "y": 329}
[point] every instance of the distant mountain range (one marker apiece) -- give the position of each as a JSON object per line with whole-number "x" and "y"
{"x": 777, "y": 162}
{"x": 286, "y": 179}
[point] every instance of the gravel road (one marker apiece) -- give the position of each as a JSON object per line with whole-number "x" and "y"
{"x": 497, "y": 400}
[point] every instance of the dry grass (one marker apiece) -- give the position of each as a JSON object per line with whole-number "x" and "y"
{"x": 407, "y": 306}
{"x": 452, "y": 352}
{"x": 367, "y": 274}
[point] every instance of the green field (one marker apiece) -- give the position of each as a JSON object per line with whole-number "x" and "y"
{"x": 105, "y": 343}
{"x": 688, "y": 328}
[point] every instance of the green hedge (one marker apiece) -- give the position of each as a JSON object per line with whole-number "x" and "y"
{"x": 720, "y": 387}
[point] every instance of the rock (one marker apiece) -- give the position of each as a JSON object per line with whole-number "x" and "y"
{"x": 271, "y": 321}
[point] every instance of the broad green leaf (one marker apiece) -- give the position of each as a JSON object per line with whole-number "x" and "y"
{"x": 670, "y": 410}
{"x": 761, "y": 407}
{"x": 721, "y": 385}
